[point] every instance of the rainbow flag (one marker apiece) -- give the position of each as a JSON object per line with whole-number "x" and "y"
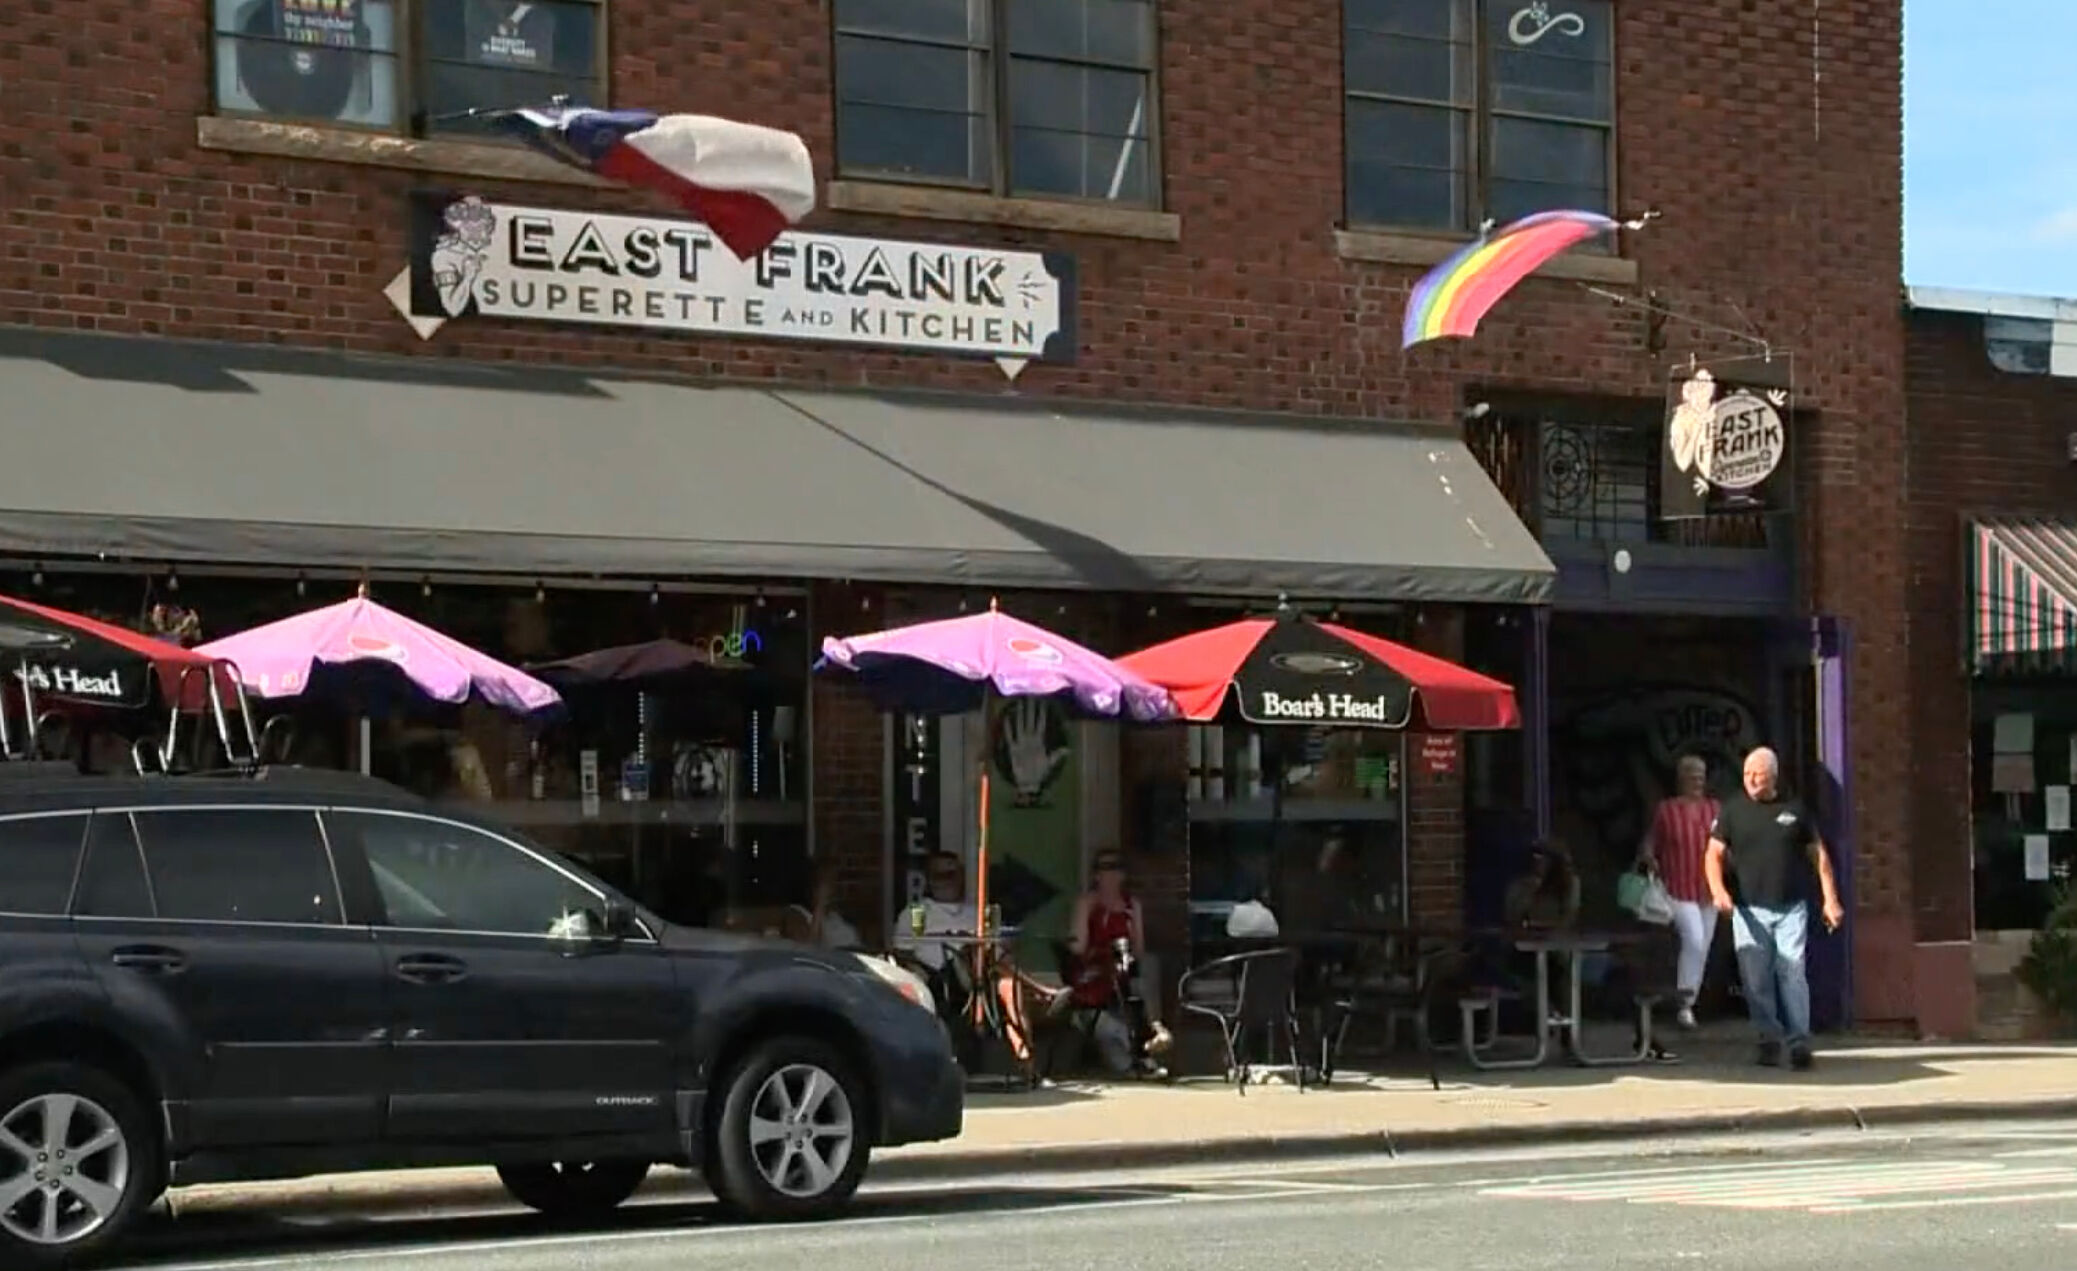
{"x": 1451, "y": 298}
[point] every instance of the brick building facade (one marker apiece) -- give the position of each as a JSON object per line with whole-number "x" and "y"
{"x": 138, "y": 206}
{"x": 1992, "y": 394}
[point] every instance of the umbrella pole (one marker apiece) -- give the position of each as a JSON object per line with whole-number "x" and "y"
{"x": 367, "y": 735}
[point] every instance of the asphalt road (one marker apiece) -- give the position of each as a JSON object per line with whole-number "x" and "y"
{"x": 2004, "y": 1196}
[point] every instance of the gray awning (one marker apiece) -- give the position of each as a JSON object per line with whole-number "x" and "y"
{"x": 168, "y": 450}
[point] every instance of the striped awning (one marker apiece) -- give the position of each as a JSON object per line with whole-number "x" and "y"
{"x": 2023, "y": 596}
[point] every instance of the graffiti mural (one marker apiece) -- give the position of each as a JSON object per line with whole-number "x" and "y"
{"x": 1614, "y": 753}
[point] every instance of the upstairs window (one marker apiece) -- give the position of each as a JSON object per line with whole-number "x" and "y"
{"x": 1456, "y": 111}
{"x": 411, "y": 66}
{"x": 1050, "y": 99}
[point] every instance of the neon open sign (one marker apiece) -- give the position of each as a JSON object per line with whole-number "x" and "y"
{"x": 732, "y": 647}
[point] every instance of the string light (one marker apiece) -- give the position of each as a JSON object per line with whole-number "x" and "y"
{"x": 425, "y": 585}
{"x": 36, "y": 578}
{"x": 172, "y": 579}
{"x": 655, "y": 594}
{"x": 540, "y": 592}
{"x": 302, "y": 585}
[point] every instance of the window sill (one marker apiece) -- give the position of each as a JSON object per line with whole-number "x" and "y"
{"x": 932, "y": 203}
{"x": 383, "y": 150}
{"x": 1426, "y": 249}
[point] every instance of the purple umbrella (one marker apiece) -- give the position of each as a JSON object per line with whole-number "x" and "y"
{"x": 951, "y": 666}
{"x": 279, "y": 659}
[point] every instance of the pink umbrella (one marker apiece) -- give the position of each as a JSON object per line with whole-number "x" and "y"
{"x": 278, "y": 659}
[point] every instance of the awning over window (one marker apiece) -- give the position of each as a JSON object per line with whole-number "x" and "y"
{"x": 163, "y": 450}
{"x": 2022, "y": 596}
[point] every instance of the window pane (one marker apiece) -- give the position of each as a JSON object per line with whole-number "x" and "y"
{"x": 1408, "y": 66}
{"x": 550, "y": 36}
{"x": 1556, "y": 62}
{"x": 239, "y": 865}
{"x": 1429, "y": 19}
{"x": 897, "y": 141}
{"x": 331, "y": 60}
{"x": 1079, "y": 165}
{"x": 1079, "y": 131}
{"x": 1066, "y": 98}
{"x": 1407, "y": 165}
{"x": 453, "y": 87}
{"x": 435, "y": 875}
{"x": 38, "y": 857}
{"x": 1120, "y": 32}
{"x": 950, "y": 21}
{"x": 1564, "y": 154}
{"x": 874, "y": 72}
{"x": 112, "y": 882}
{"x": 913, "y": 110}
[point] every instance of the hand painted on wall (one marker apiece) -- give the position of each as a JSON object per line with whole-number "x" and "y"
{"x": 1615, "y": 753}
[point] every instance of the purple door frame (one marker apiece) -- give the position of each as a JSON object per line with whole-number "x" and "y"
{"x": 1831, "y": 956}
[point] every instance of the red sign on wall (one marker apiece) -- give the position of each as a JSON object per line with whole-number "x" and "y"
{"x": 1439, "y": 753}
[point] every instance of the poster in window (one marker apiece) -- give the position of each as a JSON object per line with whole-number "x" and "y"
{"x": 336, "y": 23}
{"x": 1726, "y": 447}
{"x": 513, "y": 34}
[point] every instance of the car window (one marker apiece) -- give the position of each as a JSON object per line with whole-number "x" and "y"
{"x": 440, "y": 876}
{"x": 39, "y": 855}
{"x": 112, "y": 883}
{"x": 239, "y": 865}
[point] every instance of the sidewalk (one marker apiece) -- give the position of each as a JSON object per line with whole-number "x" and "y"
{"x": 1086, "y": 1126}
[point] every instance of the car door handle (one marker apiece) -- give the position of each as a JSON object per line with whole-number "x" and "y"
{"x": 151, "y": 959}
{"x": 431, "y": 968}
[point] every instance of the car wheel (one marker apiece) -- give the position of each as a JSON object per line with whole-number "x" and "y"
{"x": 791, "y": 1141}
{"x": 588, "y": 1189}
{"x": 79, "y": 1160}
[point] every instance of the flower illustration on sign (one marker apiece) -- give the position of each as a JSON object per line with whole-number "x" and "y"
{"x": 1535, "y": 20}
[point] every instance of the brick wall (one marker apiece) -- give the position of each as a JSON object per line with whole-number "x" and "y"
{"x": 1982, "y": 442}
{"x": 1772, "y": 149}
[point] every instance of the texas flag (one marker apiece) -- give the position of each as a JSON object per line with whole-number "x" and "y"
{"x": 746, "y": 181}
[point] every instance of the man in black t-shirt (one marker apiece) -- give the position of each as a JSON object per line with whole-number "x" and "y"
{"x": 1764, "y": 850}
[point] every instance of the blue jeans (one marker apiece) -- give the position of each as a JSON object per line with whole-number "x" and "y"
{"x": 1769, "y": 944}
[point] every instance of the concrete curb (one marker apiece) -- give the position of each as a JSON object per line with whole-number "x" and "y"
{"x": 429, "y": 1191}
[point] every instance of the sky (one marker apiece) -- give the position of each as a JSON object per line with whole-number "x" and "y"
{"x": 1990, "y": 145}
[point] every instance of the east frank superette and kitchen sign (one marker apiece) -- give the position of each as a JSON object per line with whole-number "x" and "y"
{"x": 471, "y": 258}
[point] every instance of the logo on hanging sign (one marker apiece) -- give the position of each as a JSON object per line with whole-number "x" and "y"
{"x": 1724, "y": 445}
{"x": 1317, "y": 663}
{"x": 1533, "y": 21}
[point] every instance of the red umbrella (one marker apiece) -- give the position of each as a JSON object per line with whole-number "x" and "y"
{"x": 1292, "y": 669}
{"x": 101, "y": 664}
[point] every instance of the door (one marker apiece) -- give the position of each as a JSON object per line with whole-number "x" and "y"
{"x": 509, "y": 1020}
{"x": 224, "y": 924}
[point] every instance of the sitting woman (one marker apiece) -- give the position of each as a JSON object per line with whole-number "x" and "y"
{"x": 946, "y": 949}
{"x": 1107, "y": 938}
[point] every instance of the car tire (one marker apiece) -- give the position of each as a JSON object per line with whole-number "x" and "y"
{"x": 589, "y": 1189}
{"x": 100, "y": 1194}
{"x": 773, "y": 1160}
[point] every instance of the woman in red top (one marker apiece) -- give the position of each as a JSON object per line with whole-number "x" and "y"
{"x": 1673, "y": 848}
{"x": 1105, "y": 915}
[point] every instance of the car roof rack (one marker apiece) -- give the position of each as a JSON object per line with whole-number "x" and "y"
{"x": 44, "y": 769}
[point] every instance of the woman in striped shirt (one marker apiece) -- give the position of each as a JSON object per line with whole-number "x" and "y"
{"x": 1673, "y": 849}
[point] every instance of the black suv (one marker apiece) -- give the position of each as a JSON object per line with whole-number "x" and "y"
{"x": 293, "y": 972}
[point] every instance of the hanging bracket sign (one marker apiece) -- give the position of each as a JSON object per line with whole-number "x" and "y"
{"x": 1726, "y": 448}
{"x": 472, "y": 258}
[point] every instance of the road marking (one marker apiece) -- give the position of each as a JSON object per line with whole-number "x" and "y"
{"x": 1828, "y": 1188}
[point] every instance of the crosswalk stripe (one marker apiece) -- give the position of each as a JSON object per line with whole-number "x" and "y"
{"x": 1824, "y": 1189}
{"x": 1938, "y": 1202}
{"x": 1789, "y": 1180}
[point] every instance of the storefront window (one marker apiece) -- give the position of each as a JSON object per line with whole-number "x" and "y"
{"x": 2023, "y": 759}
{"x": 1292, "y": 816}
{"x": 689, "y": 793}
